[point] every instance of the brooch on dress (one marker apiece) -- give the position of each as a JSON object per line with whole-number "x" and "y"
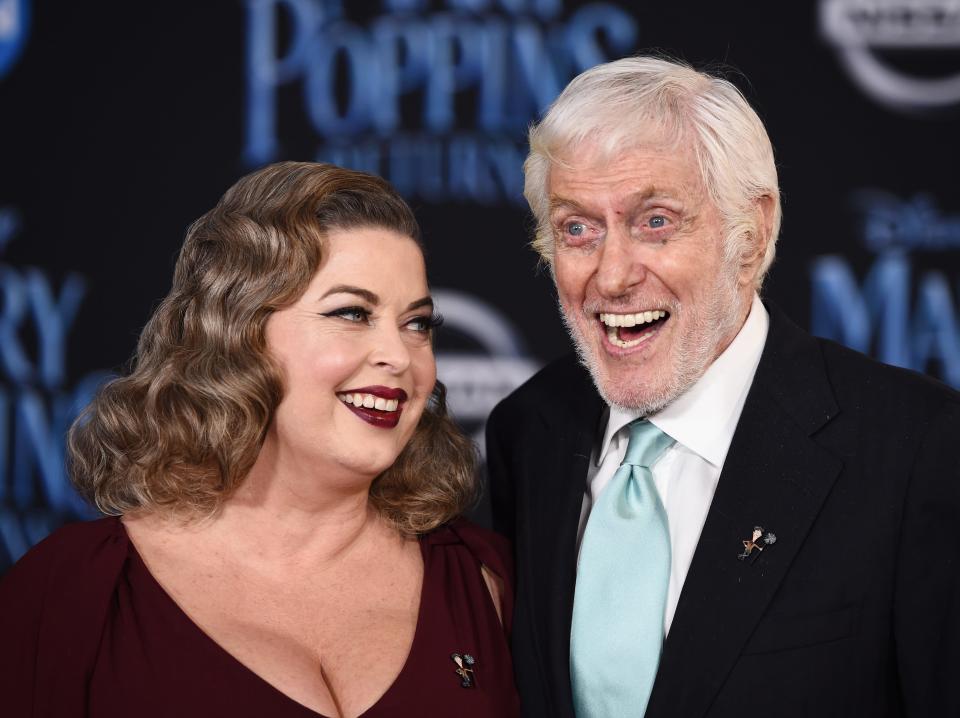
{"x": 464, "y": 661}
{"x": 754, "y": 543}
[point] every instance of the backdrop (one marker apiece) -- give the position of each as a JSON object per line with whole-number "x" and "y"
{"x": 122, "y": 122}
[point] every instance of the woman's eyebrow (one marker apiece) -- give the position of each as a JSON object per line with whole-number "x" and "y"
{"x": 425, "y": 302}
{"x": 364, "y": 294}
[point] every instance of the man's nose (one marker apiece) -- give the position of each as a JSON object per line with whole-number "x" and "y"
{"x": 619, "y": 265}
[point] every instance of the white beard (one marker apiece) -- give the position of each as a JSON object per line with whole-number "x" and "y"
{"x": 708, "y": 326}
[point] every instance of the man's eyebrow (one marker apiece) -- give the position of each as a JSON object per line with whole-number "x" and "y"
{"x": 364, "y": 294}
{"x": 425, "y": 302}
{"x": 657, "y": 193}
{"x": 643, "y": 195}
{"x": 563, "y": 203}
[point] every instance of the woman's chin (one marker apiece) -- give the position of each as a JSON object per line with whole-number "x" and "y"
{"x": 369, "y": 467}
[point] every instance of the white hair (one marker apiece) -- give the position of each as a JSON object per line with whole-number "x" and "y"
{"x": 616, "y": 105}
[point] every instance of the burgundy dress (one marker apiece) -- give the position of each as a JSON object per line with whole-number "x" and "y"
{"x": 85, "y": 630}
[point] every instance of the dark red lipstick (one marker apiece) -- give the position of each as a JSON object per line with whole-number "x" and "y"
{"x": 377, "y": 417}
{"x": 382, "y": 391}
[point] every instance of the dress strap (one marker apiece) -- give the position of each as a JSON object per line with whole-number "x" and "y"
{"x": 490, "y": 550}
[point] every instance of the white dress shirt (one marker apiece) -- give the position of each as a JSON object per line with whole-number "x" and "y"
{"x": 702, "y": 421}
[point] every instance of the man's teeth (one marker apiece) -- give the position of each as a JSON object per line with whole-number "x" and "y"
{"x": 613, "y": 321}
{"x": 632, "y": 320}
{"x": 369, "y": 401}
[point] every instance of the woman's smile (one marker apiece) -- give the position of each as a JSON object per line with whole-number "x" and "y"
{"x": 377, "y": 405}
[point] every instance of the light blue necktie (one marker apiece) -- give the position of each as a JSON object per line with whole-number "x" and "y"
{"x": 621, "y": 595}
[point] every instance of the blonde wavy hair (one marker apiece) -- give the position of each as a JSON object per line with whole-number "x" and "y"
{"x": 180, "y": 432}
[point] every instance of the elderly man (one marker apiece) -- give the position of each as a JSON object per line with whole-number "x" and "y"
{"x": 714, "y": 513}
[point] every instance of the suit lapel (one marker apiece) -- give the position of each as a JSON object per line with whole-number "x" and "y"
{"x": 774, "y": 476}
{"x": 564, "y": 454}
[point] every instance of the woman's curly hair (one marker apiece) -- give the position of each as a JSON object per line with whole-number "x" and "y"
{"x": 181, "y": 431}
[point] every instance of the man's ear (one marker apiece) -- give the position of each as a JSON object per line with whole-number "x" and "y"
{"x": 752, "y": 258}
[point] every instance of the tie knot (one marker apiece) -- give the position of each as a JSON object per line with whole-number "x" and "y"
{"x": 646, "y": 444}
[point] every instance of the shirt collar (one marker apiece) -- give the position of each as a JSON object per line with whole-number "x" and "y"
{"x": 704, "y": 418}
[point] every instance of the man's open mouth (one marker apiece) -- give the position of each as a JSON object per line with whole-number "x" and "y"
{"x": 630, "y": 330}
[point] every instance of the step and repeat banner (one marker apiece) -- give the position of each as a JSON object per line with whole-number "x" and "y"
{"x": 122, "y": 122}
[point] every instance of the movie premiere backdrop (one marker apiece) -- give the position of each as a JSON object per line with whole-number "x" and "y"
{"x": 121, "y": 122}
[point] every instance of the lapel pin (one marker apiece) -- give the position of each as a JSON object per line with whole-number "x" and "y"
{"x": 757, "y": 541}
{"x": 464, "y": 662}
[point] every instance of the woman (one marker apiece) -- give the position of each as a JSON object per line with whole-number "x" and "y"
{"x": 284, "y": 483}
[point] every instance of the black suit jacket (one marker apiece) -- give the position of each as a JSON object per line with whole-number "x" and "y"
{"x": 854, "y": 611}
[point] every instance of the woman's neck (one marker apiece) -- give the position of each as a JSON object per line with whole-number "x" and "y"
{"x": 283, "y": 520}
{"x": 287, "y": 512}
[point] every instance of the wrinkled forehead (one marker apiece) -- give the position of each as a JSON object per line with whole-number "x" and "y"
{"x": 600, "y": 151}
{"x": 653, "y": 164}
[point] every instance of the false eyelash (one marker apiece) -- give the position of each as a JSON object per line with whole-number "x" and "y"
{"x": 341, "y": 311}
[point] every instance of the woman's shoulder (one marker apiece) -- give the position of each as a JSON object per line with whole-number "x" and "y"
{"x": 481, "y": 539}
{"x": 490, "y": 547}
{"x": 78, "y": 555}
{"x": 76, "y": 548}
{"x": 53, "y": 603}
{"x": 490, "y": 551}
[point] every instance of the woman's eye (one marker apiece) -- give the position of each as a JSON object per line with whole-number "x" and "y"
{"x": 351, "y": 314}
{"x": 425, "y": 324}
{"x": 576, "y": 229}
{"x": 658, "y": 221}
